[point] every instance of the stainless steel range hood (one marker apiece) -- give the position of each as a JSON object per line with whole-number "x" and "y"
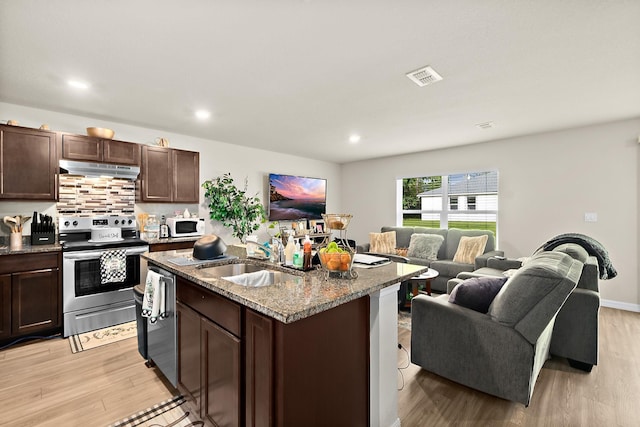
{"x": 99, "y": 169}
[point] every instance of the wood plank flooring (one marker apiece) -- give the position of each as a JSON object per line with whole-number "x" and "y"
{"x": 563, "y": 396}
{"x": 43, "y": 384}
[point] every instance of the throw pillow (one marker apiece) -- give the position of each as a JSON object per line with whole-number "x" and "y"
{"x": 477, "y": 293}
{"x": 470, "y": 248}
{"x": 402, "y": 251}
{"x": 382, "y": 243}
{"x": 425, "y": 246}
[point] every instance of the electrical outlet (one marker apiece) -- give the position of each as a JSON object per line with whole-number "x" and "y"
{"x": 590, "y": 217}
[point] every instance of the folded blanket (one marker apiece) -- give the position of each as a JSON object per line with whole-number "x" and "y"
{"x": 258, "y": 278}
{"x": 591, "y": 245}
{"x": 113, "y": 266}
{"x": 153, "y": 301}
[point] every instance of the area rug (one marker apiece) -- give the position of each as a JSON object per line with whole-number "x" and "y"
{"x": 100, "y": 337}
{"x": 404, "y": 319}
{"x": 169, "y": 413}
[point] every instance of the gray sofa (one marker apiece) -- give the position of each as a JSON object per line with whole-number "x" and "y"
{"x": 500, "y": 352}
{"x": 445, "y": 266}
{"x": 575, "y": 335}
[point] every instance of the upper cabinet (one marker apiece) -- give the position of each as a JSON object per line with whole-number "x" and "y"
{"x": 29, "y": 163}
{"x": 169, "y": 175}
{"x": 79, "y": 147}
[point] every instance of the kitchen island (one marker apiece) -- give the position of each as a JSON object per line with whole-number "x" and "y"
{"x": 308, "y": 351}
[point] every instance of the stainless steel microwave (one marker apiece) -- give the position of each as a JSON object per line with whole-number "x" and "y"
{"x": 185, "y": 227}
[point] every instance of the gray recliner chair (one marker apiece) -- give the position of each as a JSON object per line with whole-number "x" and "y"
{"x": 575, "y": 335}
{"x": 500, "y": 352}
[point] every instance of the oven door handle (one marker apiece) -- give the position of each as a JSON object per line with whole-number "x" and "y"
{"x": 87, "y": 255}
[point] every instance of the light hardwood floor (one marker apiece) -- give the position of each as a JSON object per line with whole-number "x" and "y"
{"x": 563, "y": 396}
{"x": 44, "y": 384}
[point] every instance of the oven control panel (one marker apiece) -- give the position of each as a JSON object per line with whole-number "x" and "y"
{"x": 66, "y": 223}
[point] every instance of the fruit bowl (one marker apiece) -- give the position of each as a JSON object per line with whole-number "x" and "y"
{"x": 336, "y": 221}
{"x": 336, "y": 259}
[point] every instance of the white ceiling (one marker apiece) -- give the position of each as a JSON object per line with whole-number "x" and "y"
{"x": 300, "y": 76}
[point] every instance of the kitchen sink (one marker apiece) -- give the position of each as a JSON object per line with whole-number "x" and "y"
{"x": 249, "y": 275}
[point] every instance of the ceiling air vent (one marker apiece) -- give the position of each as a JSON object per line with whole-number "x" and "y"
{"x": 424, "y": 76}
{"x": 485, "y": 125}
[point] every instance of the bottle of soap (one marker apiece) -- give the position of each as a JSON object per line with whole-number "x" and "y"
{"x": 297, "y": 256}
{"x": 307, "y": 253}
{"x": 289, "y": 250}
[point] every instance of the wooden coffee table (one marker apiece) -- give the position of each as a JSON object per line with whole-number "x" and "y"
{"x": 423, "y": 279}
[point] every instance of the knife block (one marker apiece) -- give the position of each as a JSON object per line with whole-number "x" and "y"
{"x": 43, "y": 238}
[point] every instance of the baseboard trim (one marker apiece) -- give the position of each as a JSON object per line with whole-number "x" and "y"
{"x": 620, "y": 305}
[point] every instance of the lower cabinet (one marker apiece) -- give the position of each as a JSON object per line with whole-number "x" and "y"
{"x": 239, "y": 367}
{"x": 30, "y": 294}
{"x": 5, "y": 306}
{"x": 221, "y": 359}
{"x": 209, "y": 358}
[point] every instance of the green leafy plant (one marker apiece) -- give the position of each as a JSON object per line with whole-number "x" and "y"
{"x": 232, "y": 206}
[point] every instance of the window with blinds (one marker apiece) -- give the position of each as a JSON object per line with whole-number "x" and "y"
{"x": 466, "y": 201}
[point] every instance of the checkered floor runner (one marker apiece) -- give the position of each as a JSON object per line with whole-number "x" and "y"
{"x": 169, "y": 413}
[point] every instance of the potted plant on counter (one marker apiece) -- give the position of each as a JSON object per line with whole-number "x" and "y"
{"x": 232, "y": 206}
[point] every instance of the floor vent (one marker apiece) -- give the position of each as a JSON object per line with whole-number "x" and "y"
{"x": 424, "y": 76}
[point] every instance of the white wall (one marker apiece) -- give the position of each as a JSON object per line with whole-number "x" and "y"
{"x": 216, "y": 158}
{"x": 546, "y": 184}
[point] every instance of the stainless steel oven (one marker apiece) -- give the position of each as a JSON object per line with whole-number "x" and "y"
{"x": 88, "y": 301}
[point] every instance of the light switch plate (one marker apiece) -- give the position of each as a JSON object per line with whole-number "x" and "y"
{"x": 590, "y": 217}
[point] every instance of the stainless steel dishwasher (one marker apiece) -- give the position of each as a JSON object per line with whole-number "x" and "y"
{"x": 162, "y": 340}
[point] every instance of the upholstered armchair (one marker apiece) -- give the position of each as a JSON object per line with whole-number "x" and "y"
{"x": 502, "y": 351}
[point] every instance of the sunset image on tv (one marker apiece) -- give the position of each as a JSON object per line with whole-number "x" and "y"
{"x": 296, "y": 197}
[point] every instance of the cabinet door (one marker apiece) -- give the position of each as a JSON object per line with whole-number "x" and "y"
{"x": 156, "y": 174}
{"x": 258, "y": 370}
{"x": 186, "y": 179}
{"x": 189, "y": 353}
{"x": 35, "y": 299}
{"x": 120, "y": 152}
{"x": 220, "y": 376}
{"x": 5, "y": 306}
{"x": 28, "y": 164}
{"x": 78, "y": 147}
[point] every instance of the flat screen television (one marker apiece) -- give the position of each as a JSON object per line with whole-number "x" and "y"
{"x": 296, "y": 197}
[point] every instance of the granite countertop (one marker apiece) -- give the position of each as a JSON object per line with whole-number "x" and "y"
{"x": 27, "y": 248}
{"x": 302, "y": 296}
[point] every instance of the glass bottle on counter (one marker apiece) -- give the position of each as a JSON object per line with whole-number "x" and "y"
{"x": 307, "y": 253}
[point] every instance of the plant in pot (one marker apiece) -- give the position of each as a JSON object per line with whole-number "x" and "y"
{"x": 231, "y": 206}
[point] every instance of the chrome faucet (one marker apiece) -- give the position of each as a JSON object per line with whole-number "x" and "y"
{"x": 275, "y": 252}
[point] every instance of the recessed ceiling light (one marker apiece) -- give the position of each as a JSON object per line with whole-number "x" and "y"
{"x": 78, "y": 84}
{"x": 203, "y": 114}
{"x": 354, "y": 138}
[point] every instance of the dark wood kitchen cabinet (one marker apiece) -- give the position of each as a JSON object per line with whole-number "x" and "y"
{"x": 86, "y": 148}
{"x": 300, "y": 371}
{"x": 241, "y": 367}
{"x": 30, "y": 294}
{"x": 169, "y": 175}
{"x": 28, "y": 163}
{"x": 5, "y": 306}
{"x": 210, "y": 354}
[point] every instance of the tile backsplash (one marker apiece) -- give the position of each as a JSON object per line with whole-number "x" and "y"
{"x": 81, "y": 196}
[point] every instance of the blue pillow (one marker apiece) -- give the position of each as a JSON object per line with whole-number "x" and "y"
{"x": 477, "y": 293}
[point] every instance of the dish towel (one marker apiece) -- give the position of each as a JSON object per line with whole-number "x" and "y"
{"x": 258, "y": 278}
{"x": 153, "y": 301}
{"x": 113, "y": 266}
